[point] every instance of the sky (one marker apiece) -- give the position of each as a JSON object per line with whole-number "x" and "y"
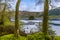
{"x": 29, "y": 5}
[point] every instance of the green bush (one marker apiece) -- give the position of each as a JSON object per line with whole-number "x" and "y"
{"x": 31, "y": 17}
{"x": 37, "y": 36}
{"x": 11, "y": 37}
{"x": 9, "y": 29}
{"x": 48, "y": 37}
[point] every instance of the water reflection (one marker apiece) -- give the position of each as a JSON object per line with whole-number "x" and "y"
{"x": 57, "y": 29}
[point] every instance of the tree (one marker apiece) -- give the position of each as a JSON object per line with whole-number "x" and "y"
{"x": 3, "y": 12}
{"x": 17, "y": 18}
{"x": 45, "y": 18}
{"x": 31, "y": 17}
{"x": 7, "y": 6}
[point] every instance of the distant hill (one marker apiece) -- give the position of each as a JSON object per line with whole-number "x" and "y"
{"x": 54, "y": 11}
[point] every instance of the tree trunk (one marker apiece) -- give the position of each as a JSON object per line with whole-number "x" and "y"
{"x": 45, "y": 18}
{"x": 3, "y": 13}
{"x": 17, "y": 18}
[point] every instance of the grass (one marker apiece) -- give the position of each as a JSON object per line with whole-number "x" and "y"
{"x": 57, "y": 37}
{"x": 11, "y": 37}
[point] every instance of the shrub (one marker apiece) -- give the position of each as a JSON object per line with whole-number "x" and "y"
{"x": 31, "y": 17}
{"x": 9, "y": 29}
{"x": 11, "y": 37}
{"x": 37, "y": 36}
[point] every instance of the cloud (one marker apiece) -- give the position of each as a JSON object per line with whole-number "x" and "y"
{"x": 29, "y": 5}
{"x": 37, "y": 8}
{"x": 57, "y": 4}
{"x": 23, "y": 7}
{"x": 57, "y": 0}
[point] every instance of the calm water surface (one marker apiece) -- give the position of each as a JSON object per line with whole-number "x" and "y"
{"x": 30, "y": 26}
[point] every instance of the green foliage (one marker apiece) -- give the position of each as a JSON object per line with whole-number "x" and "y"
{"x": 11, "y": 37}
{"x": 31, "y": 17}
{"x": 37, "y": 36}
{"x": 48, "y": 37}
{"x": 21, "y": 23}
{"x": 6, "y": 29}
{"x": 50, "y": 31}
{"x": 57, "y": 37}
{"x": 55, "y": 11}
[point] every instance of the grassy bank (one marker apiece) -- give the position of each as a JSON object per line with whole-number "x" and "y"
{"x": 57, "y": 37}
{"x": 11, "y": 37}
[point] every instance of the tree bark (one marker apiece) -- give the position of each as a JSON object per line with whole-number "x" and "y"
{"x": 45, "y": 18}
{"x": 3, "y": 13}
{"x": 17, "y": 18}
